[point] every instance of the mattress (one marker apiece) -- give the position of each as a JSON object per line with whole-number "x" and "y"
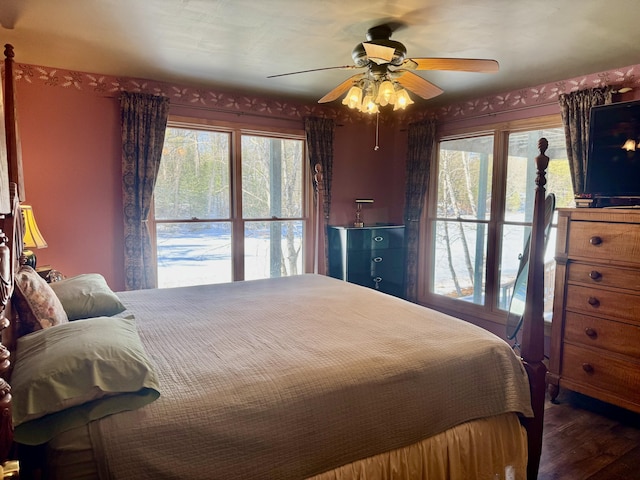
{"x": 297, "y": 376}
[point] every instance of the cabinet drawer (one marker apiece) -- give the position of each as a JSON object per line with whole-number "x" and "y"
{"x": 604, "y": 275}
{"x": 611, "y": 373}
{"x": 370, "y": 262}
{"x": 596, "y": 332}
{"x": 375, "y": 238}
{"x": 387, "y": 284}
{"x": 597, "y": 302}
{"x": 395, "y": 275}
{"x": 387, "y": 259}
{"x": 605, "y": 241}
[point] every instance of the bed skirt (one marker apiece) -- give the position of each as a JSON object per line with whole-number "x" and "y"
{"x": 459, "y": 453}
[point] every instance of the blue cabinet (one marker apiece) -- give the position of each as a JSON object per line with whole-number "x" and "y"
{"x": 369, "y": 256}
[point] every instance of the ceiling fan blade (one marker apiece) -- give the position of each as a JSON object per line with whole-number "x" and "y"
{"x": 458, "y": 64}
{"x": 378, "y": 53}
{"x": 340, "y": 89}
{"x": 419, "y": 85}
{"x": 343, "y": 67}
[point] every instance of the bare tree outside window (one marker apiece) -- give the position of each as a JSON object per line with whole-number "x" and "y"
{"x": 203, "y": 233}
{"x": 467, "y": 211}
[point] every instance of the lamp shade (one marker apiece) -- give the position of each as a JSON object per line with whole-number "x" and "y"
{"x": 353, "y": 98}
{"x": 402, "y": 99}
{"x": 369, "y": 105}
{"x": 32, "y": 236}
{"x": 630, "y": 145}
{"x": 386, "y": 94}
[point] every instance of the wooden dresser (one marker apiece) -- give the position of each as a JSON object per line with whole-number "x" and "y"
{"x": 369, "y": 256}
{"x": 595, "y": 336}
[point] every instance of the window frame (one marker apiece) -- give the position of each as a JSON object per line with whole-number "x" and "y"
{"x": 236, "y": 132}
{"x": 461, "y": 309}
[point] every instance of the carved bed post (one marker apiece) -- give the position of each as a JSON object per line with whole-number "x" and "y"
{"x": 6, "y": 275}
{"x": 11, "y": 244}
{"x": 14, "y": 151}
{"x": 532, "y": 347}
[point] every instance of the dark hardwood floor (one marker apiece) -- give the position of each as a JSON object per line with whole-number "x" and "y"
{"x": 585, "y": 439}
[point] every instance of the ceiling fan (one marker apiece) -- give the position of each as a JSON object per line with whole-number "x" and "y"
{"x": 383, "y": 59}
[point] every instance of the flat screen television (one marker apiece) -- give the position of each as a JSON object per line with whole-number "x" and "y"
{"x": 613, "y": 159}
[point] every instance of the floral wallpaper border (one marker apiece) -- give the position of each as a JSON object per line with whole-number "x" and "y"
{"x": 106, "y": 85}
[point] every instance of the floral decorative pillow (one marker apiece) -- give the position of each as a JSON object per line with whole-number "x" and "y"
{"x": 37, "y": 305}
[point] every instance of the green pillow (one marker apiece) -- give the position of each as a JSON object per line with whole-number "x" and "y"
{"x": 71, "y": 374}
{"x": 87, "y": 296}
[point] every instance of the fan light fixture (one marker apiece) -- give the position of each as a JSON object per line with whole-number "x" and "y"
{"x": 368, "y": 94}
{"x": 630, "y": 145}
{"x": 389, "y": 75}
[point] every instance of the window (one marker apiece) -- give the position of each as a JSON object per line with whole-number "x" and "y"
{"x": 230, "y": 204}
{"x": 481, "y": 211}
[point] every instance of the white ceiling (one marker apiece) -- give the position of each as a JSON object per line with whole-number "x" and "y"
{"x": 236, "y": 44}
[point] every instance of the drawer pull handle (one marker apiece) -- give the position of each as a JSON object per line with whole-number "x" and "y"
{"x": 587, "y": 367}
{"x": 594, "y": 302}
{"x": 595, "y": 275}
{"x": 377, "y": 281}
{"x": 590, "y": 332}
{"x": 595, "y": 240}
{"x": 378, "y": 238}
{"x": 377, "y": 259}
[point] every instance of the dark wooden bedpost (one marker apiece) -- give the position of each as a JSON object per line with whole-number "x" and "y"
{"x": 14, "y": 150}
{"x": 11, "y": 244}
{"x": 6, "y": 430}
{"x": 532, "y": 346}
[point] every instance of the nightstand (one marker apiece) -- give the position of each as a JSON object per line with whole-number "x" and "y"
{"x": 49, "y": 274}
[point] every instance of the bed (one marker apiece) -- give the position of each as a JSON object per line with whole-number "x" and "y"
{"x": 287, "y": 378}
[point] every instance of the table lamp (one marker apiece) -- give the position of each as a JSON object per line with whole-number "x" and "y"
{"x": 32, "y": 236}
{"x": 359, "y": 201}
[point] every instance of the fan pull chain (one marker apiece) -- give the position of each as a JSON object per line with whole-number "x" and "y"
{"x": 376, "y": 148}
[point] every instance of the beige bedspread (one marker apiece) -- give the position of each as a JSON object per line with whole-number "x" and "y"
{"x": 290, "y": 377}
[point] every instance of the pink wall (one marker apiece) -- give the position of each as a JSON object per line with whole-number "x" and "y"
{"x": 359, "y": 171}
{"x": 71, "y": 155}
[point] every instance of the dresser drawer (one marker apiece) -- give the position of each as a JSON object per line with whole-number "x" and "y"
{"x": 394, "y": 275}
{"x": 388, "y": 258}
{"x": 593, "y": 368}
{"x": 387, "y": 268}
{"x": 606, "y": 241}
{"x": 603, "y": 275}
{"x": 392, "y": 288}
{"x": 386, "y": 284}
{"x": 375, "y": 238}
{"x": 599, "y": 302}
{"x": 596, "y": 332}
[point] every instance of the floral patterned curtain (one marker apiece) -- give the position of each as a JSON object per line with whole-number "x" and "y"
{"x": 575, "y": 110}
{"x": 144, "y": 121}
{"x": 320, "y": 133}
{"x": 421, "y": 145}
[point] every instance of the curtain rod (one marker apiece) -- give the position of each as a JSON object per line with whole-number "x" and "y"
{"x": 239, "y": 114}
{"x": 493, "y": 114}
